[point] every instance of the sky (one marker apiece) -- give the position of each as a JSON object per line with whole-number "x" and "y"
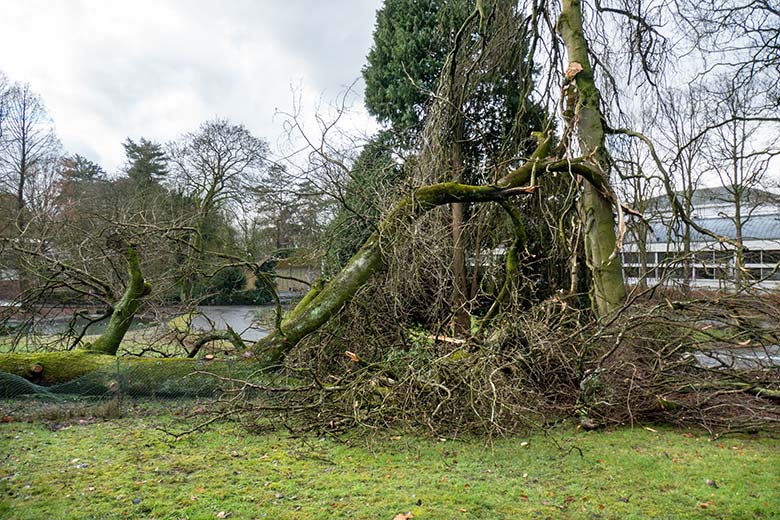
{"x": 110, "y": 69}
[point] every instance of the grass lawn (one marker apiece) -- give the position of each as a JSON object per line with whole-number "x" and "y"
{"x": 125, "y": 468}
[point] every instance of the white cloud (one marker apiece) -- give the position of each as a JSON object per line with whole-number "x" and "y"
{"x": 110, "y": 70}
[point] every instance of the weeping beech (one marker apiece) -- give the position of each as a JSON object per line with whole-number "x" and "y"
{"x": 327, "y": 299}
{"x": 597, "y": 202}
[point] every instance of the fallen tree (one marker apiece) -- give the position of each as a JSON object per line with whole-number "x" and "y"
{"x": 83, "y": 373}
{"x": 598, "y": 203}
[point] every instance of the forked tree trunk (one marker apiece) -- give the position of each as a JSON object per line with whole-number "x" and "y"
{"x": 608, "y": 290}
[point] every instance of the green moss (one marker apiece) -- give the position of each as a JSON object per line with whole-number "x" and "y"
{"x": 149, "y": 375}
{"x": 125, "y": 309}
{"x": 97, "y": 471}
{"x": 57, "y": 367}
{"x": 180, "y": 323}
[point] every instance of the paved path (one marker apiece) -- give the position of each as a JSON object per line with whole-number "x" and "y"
{"x": 741, "y": 358}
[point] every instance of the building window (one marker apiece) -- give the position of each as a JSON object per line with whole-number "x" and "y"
{"x": 631, "y": 258}
{"x": 722, "y": 257}
{"x": 752, "y": 257}
{"x": 770, "y": 273}
{"x": 632, "y": 272}
{"x": 771, "y": 257}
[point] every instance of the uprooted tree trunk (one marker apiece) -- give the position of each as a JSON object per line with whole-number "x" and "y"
{"x": 125, "y": 309}
{"x": 84, "y": 372}
{"x": 323, "y": 302}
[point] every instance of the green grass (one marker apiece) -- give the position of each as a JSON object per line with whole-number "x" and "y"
{"x": 127, "y": 469}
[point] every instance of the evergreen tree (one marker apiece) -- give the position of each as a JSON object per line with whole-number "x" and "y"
{"x": 411, "y": 42}
{"x": 147, "y": 162}
{"x": 79, "y": 168}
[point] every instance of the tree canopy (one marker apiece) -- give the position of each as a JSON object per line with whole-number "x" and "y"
{"x": 147, "y": 162}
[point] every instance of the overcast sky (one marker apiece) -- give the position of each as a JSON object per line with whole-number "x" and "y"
{"x": 110, "y": 69}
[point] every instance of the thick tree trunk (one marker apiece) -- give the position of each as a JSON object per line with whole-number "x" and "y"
{"x": 608, "y": 289}
{"x": 125, "y": 309}
{"x": 99, "y": 374}
{"x": 459, "y": 290}
{"x": 50, "y": 368}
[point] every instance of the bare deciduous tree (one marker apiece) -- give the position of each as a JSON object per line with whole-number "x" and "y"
{"x": 28, "y": 144}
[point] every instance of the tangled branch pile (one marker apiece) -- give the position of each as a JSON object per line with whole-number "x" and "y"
{"x": 698, "y": 362}
{"x": 399, "y": 353}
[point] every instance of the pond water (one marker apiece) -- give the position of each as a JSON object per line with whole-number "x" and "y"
{"x": 756, "y": 358}
{"x": 65, "y": 324}
{"x": 241, "y": 318}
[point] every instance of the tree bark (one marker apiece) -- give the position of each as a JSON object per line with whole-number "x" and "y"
{"x": 125, "y": 309}
{"x": 459, "y": 290}
{"x": 110, "y": 374}
{"x": 608, "y": 291}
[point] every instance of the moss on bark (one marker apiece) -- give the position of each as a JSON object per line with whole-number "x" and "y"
{"x": 139, "y": 375}
{"x": 125, "y": 309}
{"x": 608, "y": 289}
{"x": 322, "y": 303}
{"x": 50, "y": 368}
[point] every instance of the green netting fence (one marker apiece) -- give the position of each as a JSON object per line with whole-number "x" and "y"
{"x": 161, "y": 380}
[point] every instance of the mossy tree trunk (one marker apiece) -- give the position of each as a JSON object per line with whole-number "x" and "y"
{"x": 125, "y": 309}
{"x": 608, "y": 289}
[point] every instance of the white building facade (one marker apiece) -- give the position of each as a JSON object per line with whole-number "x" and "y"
{"x": 710, "y": 264}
